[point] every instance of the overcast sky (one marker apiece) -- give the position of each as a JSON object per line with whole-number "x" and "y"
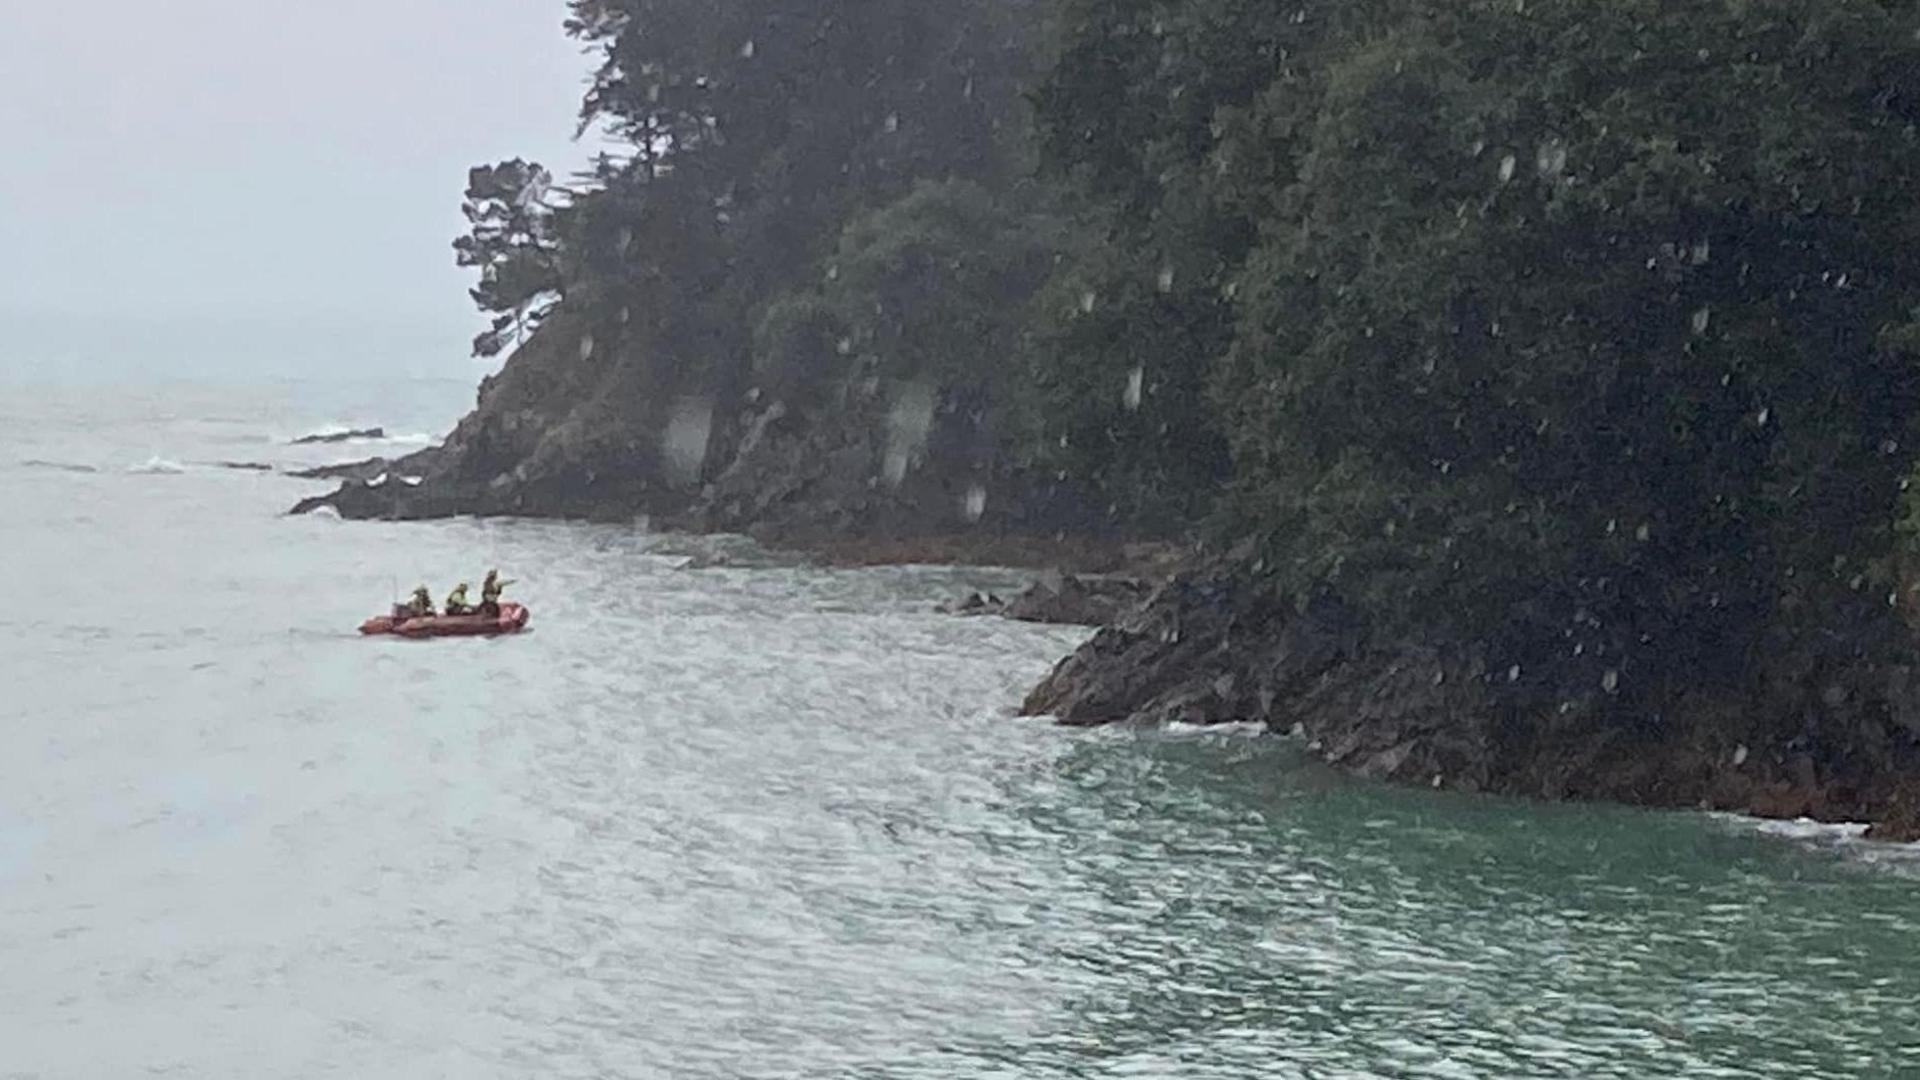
{"x": 204, "y": 186}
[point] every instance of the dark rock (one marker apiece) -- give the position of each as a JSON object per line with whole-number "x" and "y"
{"x": 345, "y": 470}
{"x": 244, "y": 466}
{"x": 58, "y": 466}
{"x": 1077, "y": 600}
{"x": 978, "y": 603}
{"x": 340, "y": 436}
{"x": 1074, "y": 600}
{"x": 1216, "y": 645}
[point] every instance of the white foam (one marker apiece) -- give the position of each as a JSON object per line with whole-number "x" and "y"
{"x": 157, "y": 466}
{"x": 412, "y": 481}
{"x": 1237, "y": 728}
{"x": 378, "y": 481}
{"x": 1809, "y": 830}
{"x": 1845, "y": 838}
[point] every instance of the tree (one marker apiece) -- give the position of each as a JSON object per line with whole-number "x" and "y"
{"x": 514, "y": 246}
{"x": 1568, "y": 337}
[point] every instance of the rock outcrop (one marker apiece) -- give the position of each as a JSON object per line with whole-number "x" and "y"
{"x": 575, "y": 427}
{"x": 340, "y": 436}
{"x": 1071, "y": 599}
{"x": 1217, "y": 646}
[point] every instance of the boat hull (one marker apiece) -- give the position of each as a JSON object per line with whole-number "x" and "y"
{"x": 511, "y": 620}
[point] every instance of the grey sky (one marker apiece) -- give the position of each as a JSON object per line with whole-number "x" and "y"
{"x": 264, "y": 184}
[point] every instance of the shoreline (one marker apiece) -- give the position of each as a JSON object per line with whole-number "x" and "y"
{"x": 1380, "y": 716}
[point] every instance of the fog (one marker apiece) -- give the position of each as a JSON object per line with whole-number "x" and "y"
{"x": 212, "y": 187}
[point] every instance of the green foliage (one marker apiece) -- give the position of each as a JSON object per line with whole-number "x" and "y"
{"x": 1583, "y": 329}
{"x": 1568, "y": 337}
{"x": 932, "y": 287}
{"x": 512, "y": 243}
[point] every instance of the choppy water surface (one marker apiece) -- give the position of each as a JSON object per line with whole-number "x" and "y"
{"x": 717, "y": 818}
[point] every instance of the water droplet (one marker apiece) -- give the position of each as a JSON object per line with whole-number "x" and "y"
{"x": 625, "y": 240}
{"x": 1507, "y": 165}
{"x": 1702, "y": 251}
{"x": 586, "y": 347}
{"x": 1610, "y": 682}
{"x": 1136, "y": 382}
{"x": 1087, "y": 300}
{"x": 909, "y": 421}
{"x": 1890, "y": 446}
{"x": 684, "y": 443}
{"x": 746, "y": 50}
{"x": 1166, "y": 279}
{"x": 1513, "y": 673}
{"x": 1763, "y": 416}
{"x": 893, "y": 122}
{"x": 1702, "y": 319}
{"x": 844, "y": 346}
{"x": 1740, "y": 755}
{"x": 976, "y": 502}
{"x": 833, "y": 272}
{"x": 1551, "y": 158}
{"x": 625, "y": 315}
{"x": 1643, "y": 533}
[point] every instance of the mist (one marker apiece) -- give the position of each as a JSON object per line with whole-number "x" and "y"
{"x": 217, "y": 188}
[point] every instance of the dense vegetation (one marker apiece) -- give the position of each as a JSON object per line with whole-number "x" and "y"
{"x": 1582, "y": 329}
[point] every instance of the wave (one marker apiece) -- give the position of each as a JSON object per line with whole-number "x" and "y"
{"x": 157, "y": 466}
{"x": 1846, "y": 838}
{"x": 61, "y": 466}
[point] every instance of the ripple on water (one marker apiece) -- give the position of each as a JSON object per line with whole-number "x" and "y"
{"x": 725, "y": 817}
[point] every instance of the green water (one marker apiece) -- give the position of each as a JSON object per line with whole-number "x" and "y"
{"x": 764, "y": 820}
{"x": 1265, "y": 917}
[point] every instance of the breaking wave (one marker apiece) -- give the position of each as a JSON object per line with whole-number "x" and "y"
{"x": 157, "y": 466}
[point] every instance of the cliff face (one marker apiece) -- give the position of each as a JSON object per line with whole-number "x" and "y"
{"x": 566, "y": 431}
{"x": 1217, "y": 646}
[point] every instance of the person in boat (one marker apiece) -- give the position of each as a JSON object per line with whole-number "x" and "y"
{"x": 490, "y": 591}
{"x": 457, "y": 601}
{"x": 420, "y": 607}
